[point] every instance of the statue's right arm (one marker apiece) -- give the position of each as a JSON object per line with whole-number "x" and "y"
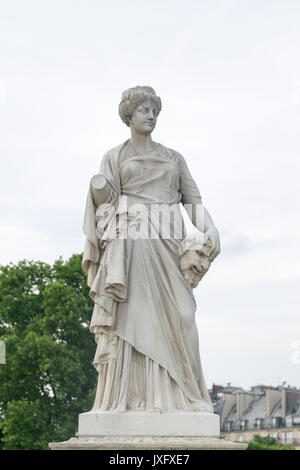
{"x": 101, "y": 189}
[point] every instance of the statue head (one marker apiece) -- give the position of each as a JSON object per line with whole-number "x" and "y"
{"x": 139, "y": 108}
{"x": 194, "y": 258}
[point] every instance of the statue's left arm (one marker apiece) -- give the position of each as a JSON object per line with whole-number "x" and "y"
{"x": 198, "y": 214}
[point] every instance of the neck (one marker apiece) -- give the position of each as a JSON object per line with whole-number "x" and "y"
{"x": 141, "y": 141}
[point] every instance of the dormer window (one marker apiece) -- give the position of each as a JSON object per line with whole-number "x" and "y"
{"x": 276, "y": 422}
{"x": 244, "y": 424}
{"x": 259, "y": 423}
{"x": 228, "y": 426}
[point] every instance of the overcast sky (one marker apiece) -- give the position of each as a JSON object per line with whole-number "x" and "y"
{"x": 228, "y": 73}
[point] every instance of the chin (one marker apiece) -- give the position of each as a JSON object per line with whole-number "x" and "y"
{"x": 147, "y": 131}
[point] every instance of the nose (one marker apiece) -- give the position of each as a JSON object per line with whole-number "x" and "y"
{"x": 151, "y": 114}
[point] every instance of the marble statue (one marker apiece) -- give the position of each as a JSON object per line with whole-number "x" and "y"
{"x": 142, "y": 268}
{"x": 147, "y": 354}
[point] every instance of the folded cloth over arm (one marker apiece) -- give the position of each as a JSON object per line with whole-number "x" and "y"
{"x": 109, "y": 177}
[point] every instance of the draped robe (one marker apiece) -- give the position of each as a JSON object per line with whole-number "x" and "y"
{"x": 147, "y": 354}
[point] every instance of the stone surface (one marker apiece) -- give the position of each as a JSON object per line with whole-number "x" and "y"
{"x": 147, "y": 443}
{"x": 139, "y": 423}
{"x": 194, "y": 258}
{"x": 147, "y": 352}
{"x": 148, "y": 431}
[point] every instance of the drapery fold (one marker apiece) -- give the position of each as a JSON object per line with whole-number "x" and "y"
{"x": 144, "y": 311}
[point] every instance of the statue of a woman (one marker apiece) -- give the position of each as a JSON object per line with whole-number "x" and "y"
{"x": 147, "y": 352}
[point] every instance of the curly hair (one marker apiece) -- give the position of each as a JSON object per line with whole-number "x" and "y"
{"x": 133, "y": 97}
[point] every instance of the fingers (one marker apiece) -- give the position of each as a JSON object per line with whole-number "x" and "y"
{"x": 212, "y": 240}
{"x": 215, "y": 253}
{"x": 208, "y": 240}
{"x": 216, "y": 250}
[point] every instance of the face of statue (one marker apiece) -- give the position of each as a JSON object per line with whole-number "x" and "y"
{"x": 194, "y": 265}
{"x": 144, "y": 118}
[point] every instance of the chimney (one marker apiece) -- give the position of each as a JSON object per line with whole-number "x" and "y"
{"x": 272, "y": 397}
{"x": 243, "y": 401}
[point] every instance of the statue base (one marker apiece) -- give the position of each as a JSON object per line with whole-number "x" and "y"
{"x": 141, "y": 431}
{"x": 147, "y": 443}
{"x": 141, "y": 423}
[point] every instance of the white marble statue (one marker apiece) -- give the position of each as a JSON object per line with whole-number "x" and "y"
{"x": 142, "y": 268}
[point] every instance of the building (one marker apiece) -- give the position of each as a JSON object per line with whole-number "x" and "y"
{"x": 263, "y": 409}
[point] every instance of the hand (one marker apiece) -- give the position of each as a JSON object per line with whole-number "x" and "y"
{"x": 212, "y": 239}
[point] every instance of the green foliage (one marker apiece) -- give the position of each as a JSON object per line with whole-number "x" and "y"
{"x": 48, "y": 378}
{"x": 266, "y": 443}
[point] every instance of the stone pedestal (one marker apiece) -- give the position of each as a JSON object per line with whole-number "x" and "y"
{"x": 146, "y": 443}
{"x": 140, "y": 431}
{"x": 139, "y": 423}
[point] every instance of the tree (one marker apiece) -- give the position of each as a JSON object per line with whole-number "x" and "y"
{"x": 48, "y": 378}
